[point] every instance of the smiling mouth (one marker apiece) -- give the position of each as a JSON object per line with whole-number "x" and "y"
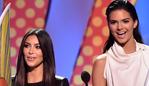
{"x": 121, "y": 34}
{"x": 30, "y": 58}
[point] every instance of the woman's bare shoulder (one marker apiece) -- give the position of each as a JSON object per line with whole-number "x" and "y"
{"x": 99, "y": 62}
{"x": 98, "y": 71}
{"x": 101, "y": 58}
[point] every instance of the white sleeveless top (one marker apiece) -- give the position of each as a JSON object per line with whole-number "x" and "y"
{"x": 123, "y": 69}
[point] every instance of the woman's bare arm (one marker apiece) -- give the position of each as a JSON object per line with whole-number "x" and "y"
{"x": 98, "y": 71}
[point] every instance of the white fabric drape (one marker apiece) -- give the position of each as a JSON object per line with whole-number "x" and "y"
{"x": 127, "y": 69}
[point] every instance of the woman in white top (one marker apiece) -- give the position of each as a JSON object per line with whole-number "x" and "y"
{"x": 125, "y": 60}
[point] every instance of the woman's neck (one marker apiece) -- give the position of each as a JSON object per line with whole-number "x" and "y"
{"x": 130, "y": 46}
{"x": 35, "y": 75}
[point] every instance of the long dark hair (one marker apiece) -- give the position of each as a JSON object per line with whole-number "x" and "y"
{"x": 127, "y": 6}
{"x": 48, "y": 59}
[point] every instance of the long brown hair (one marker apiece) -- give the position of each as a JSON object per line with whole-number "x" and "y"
{"x": 48, "y": 59}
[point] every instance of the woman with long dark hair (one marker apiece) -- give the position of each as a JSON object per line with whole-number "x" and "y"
{"x": 124, "y": 61}
{"x": 36, "y": 62}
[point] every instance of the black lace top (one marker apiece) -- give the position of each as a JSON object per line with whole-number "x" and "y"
{"x": 59, "y": 82}
{"x": 35, "y": 84}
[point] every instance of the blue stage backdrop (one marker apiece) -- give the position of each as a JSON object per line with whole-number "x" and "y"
{"x": 66, "y": 24}
{"x": 143, "y": 12}
{"x": 1, "y": 5}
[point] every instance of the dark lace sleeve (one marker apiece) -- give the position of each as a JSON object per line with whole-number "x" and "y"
{"x": 62, "y": 81}
{"x": 13, "y": 80}
{"x": 65, "y": 82}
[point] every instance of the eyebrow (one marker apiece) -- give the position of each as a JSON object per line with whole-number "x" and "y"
{"x": 126, "y": 19}
{"x": 30, "y": 44}
{"x": 122, "y": 19}
{"x": 26, "y": 42}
